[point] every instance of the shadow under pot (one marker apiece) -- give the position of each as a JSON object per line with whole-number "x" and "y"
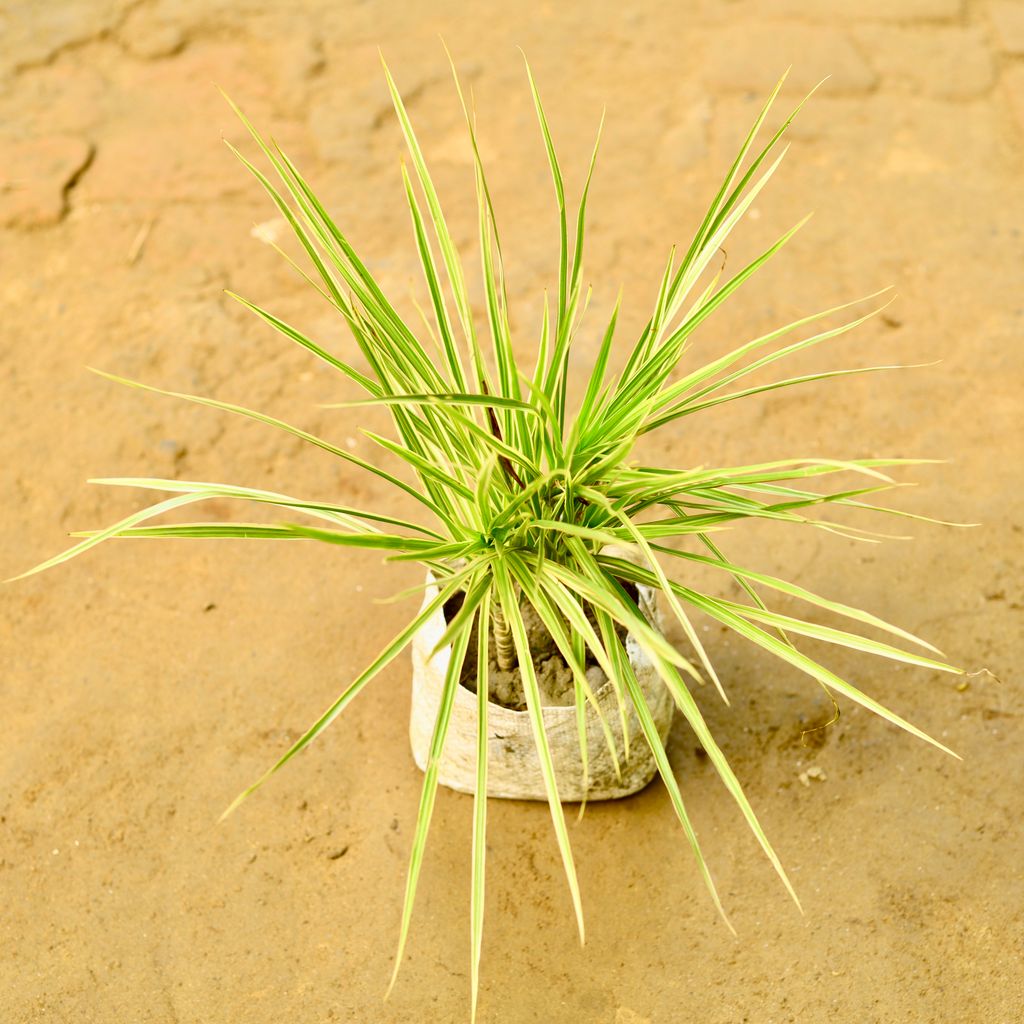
{"x": 513, "y": 766}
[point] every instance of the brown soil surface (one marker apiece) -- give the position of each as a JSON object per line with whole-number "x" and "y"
{"x": 554, "y": 676}
{"x": 144, "y": 685}
{"x": 505, "y": 686}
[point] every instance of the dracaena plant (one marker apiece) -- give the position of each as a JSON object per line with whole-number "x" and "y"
{"x": 524, "y": 499}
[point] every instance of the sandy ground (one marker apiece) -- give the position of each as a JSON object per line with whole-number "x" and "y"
{"x": 142, "y": 687}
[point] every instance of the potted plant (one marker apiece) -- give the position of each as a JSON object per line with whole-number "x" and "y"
{"x": 539, "y": 667}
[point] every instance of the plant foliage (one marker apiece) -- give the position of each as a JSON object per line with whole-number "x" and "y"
{"x": 523, "y": 499}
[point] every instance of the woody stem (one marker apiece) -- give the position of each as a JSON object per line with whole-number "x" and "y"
{"x": 505, "y": 650}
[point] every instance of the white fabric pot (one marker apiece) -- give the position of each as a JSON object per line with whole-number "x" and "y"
{"x": 513, "y": 768}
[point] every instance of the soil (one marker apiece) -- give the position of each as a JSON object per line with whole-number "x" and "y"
{"x": 505, "y": 686}
{"x": 554, "y": 677}
{"x": 145, "y": 684}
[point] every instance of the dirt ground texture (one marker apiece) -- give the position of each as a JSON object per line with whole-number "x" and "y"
{"x": 143, "y": 685}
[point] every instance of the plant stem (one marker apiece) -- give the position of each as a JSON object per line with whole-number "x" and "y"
{"x": 503, "y": 460}
{"x": 504, "y": 646}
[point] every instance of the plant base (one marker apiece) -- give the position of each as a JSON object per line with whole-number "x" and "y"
{"x": 513, "y": 769}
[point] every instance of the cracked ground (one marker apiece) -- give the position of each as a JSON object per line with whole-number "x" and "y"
{"x": 143, "y": 686}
